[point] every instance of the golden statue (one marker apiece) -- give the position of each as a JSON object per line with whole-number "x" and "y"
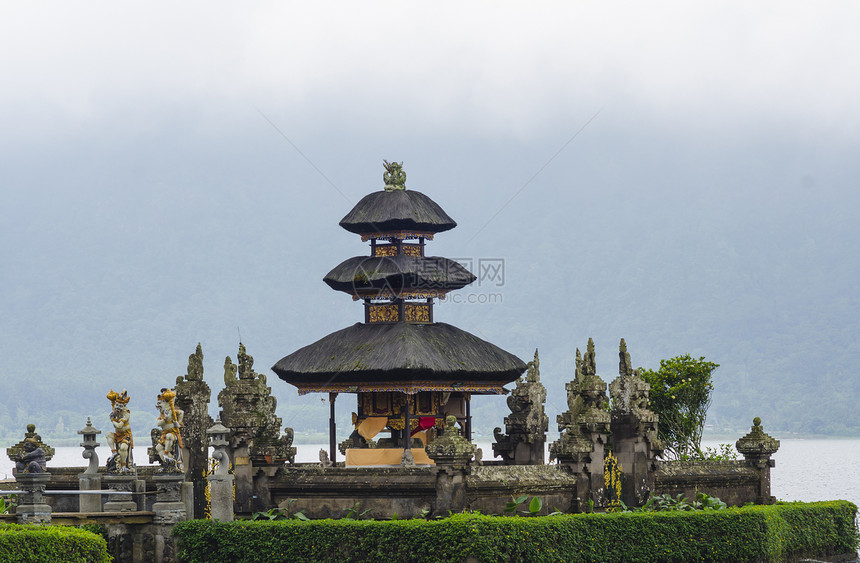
{"x": 168, "y": 442}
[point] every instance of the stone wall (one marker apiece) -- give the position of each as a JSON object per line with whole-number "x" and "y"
{"x": 733, "y": 482}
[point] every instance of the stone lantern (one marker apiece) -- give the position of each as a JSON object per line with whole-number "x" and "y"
{"x": 90, "y": 480}
{"x": 220, "y": 482}
{"x": 89, "y": 445}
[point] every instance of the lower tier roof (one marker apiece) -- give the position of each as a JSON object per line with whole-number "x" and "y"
{"x": 400, "y": 356}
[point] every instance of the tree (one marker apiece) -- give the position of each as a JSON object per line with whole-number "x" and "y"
{"x": 680, "y": 395}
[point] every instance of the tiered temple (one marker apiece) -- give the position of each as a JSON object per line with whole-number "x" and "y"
{"x": 407, "y": 370}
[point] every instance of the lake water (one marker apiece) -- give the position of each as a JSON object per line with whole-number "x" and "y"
{"x": 806, "y": 470}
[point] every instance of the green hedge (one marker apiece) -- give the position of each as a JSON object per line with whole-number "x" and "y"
{"x": 754, "y": 533}
{"x": 58, "y": 544}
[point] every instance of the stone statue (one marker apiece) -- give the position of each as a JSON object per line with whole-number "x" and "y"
{"x": 167, "y": 439}
{"x": 325, "y": 461}
{"x": 30, "y": 449}
{"x": 394, "y": 176}
{"x": 120, "y": 440}
{"x": 32, "y": 459}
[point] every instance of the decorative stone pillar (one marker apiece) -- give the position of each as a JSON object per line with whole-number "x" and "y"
{"x": 121, "y": 484}
{"x": 757, "y": 447}
{"x": 192, "y": 397}
{"x": 220, "y": 482}
{"x": 583, "y": 432}
{"x": 526, "y": 426}
{"x": 32, "y": 508}
{"x": 257, "y": 449}
{"x": 452, "y": 454}
{"x": 90, "y": 480}
{"x": 634, "y": 431}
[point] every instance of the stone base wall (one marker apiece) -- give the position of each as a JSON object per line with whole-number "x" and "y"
{"x": 327, "y": 493}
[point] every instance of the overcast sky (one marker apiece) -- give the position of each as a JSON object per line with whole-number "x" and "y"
{"x": 489, "y": 67}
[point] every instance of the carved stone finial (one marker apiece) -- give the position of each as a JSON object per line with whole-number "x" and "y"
{"x": 589, "y": 365}
{"x": 533, "y": 373}
{"x": 246, "y": 363}
{"x": 394, "y": 176}
{"x": 625, "y": 367}
{"x": 451, "y": 448}
{"x": 577, "y": 372}
{"x": 195, "y": 365}
{"x": 230, "y": 371}
{"x": 757, "y": 445}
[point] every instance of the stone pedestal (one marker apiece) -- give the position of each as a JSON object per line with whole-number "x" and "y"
{"x": 89, "y": 503}
{"x": 32, "y": 508}
{"x": 221, "y": 496}
{"x": 120, "y": 503}
{"x": 451, "y": 453}
{"x": 169, "y": 509}
{"x": 169, "y": 505}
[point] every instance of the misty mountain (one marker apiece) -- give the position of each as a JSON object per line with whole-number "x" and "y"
{"x": 118, "y": 260}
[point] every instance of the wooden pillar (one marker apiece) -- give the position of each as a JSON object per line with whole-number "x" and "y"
{"x": 407, "y": 426}
{"x": 469, "y": 417}
{"x": 332, "y": 430}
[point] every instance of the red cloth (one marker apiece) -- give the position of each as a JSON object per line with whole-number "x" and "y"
{"x": 424, "y": 423}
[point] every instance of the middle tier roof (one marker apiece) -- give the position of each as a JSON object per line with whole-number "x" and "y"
{"x": 367, "y": 276}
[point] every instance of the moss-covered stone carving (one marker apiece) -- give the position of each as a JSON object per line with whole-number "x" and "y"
{"x": 757, "y": 444}
{"x": 526, "y": 426}
{"x": 451, "y": 448}
{"x": 629, "y": 394}
{"x": 635, "y": 442}
{"x": 248, "y": 409}
{"x": 394, "y": 176}
{"x": 587, "y": 419}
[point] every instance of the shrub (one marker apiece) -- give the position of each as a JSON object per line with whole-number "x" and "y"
{"x": 58, "y": 544}
{"x": 753, "y": 533}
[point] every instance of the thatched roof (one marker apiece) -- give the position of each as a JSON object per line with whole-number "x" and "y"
{"x": 361, "y": 274}
{"x": 396, "y": 210}
{"x": 401, "y": 353}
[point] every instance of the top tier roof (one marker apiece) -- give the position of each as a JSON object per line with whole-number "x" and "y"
{"x": 396, "y": 209}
